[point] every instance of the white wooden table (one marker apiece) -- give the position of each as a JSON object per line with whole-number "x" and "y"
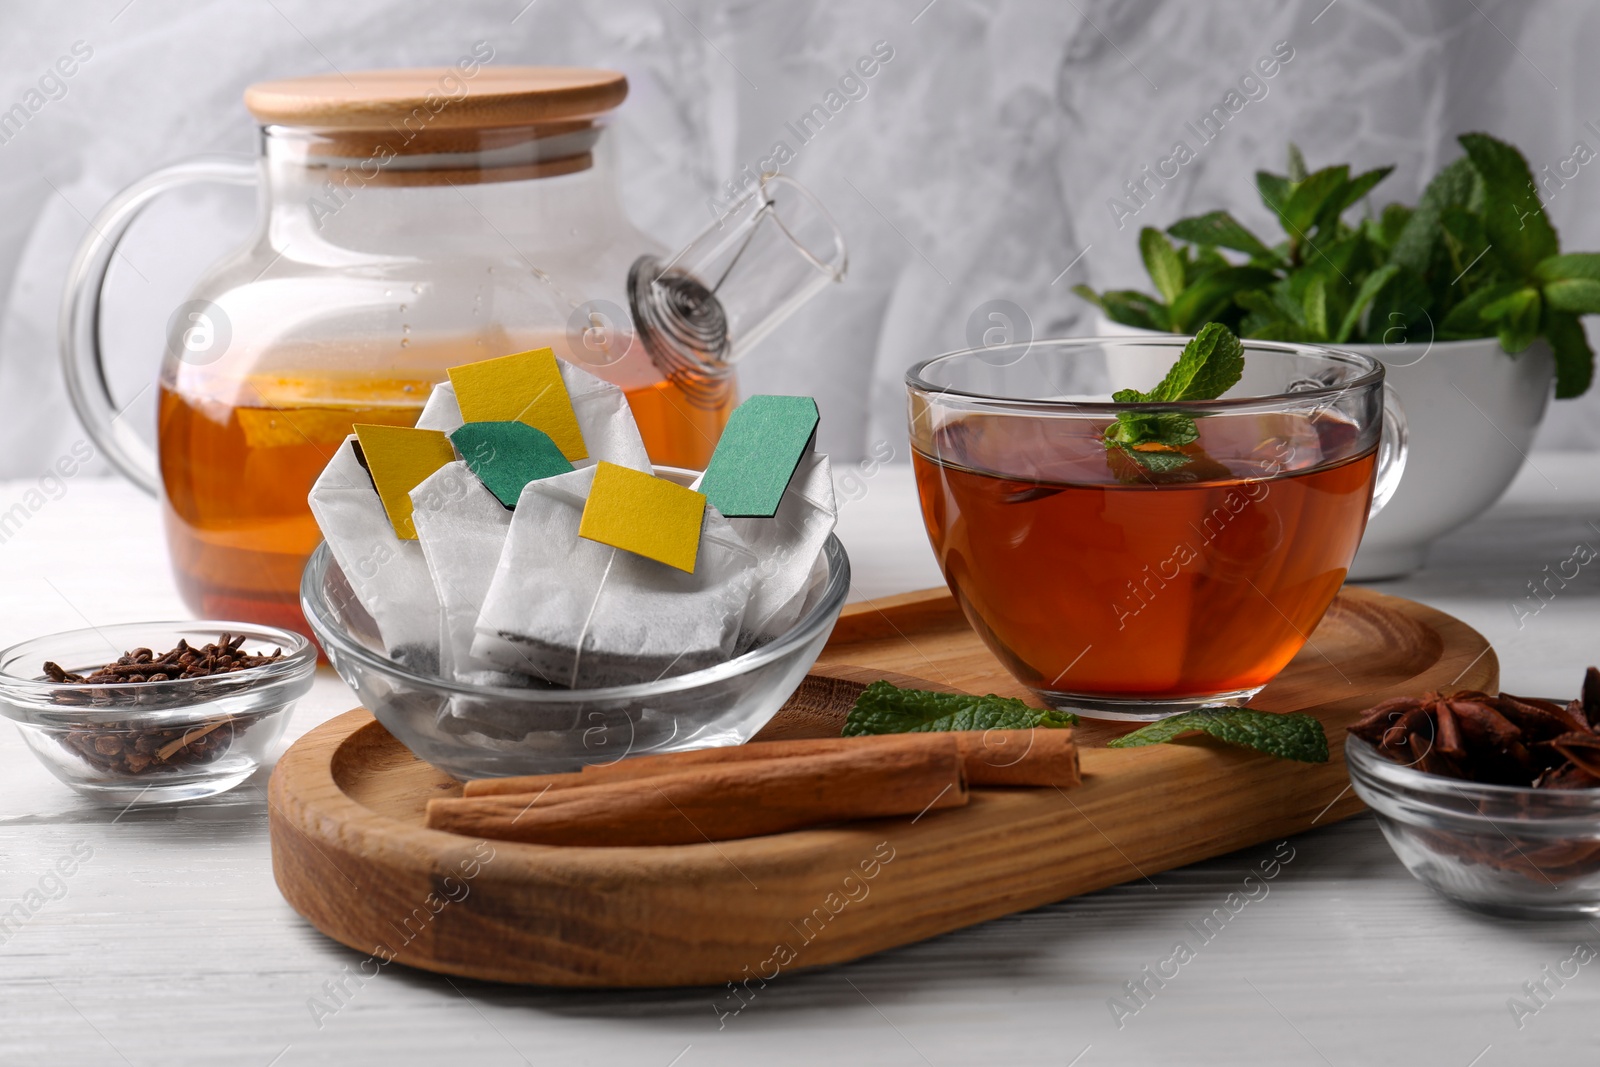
{"x": 169, "y": 945}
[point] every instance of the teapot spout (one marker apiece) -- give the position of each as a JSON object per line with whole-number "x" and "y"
{"x": 702, "y": 310}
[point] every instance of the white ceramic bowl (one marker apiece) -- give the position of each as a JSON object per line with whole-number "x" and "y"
{"x": 1471, "y": 411}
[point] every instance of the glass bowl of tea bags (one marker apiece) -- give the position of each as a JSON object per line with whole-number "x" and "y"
{"x": 512, "y": 588}
{"x": 483, "y": 731}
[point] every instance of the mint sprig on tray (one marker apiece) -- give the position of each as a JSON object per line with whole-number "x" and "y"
{"x": 1295, "y": 736}
{"x": 884, "y": 708}
{"x": 1211, "y": 364}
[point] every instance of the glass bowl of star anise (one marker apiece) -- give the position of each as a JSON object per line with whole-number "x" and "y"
{"x": 153, "y": 713}
{"x": 1492, "y": 801}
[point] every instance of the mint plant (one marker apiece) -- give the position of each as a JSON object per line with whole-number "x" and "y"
{"x": 1476, "y": 257}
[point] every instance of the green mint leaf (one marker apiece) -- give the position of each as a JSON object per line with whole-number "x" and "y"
{"x": 1401, "y": 312}
{"x": 1572, "y": 265}
{"x": 883, "y": 708}
{"x": 1370, "y": 287}
{"x": 1222, "y": 230}
{"x": 1335, "y": 258}
{"x": 1458, "y": 185}
{"x": 1089, "y": 295}
{"x": 1129, "y": 307}
{"x": 1512, "y": 212}
{"x": 1361, "y": 185}
{"x": 1176, "y": 430}
{"x": 1137, "y": 428}
{"x": 1314, "y": 303}
{"x": 1296, "y": 736}
{"x": 1208, "y": 297}
{"x": 1283, "y": 330}
{"x": 1516, "y": 318}
{"x": 1274, "y": 190}
{"x": 1263, "y": 303}
{"x": 1574, "y": 357}
{"x": 1573, "y": 294}
{"x": 1162, "y": 262}
{"x": 1343, "y": 196}
{"x": 1210, "y": 365}
{"x": 1466, "y": 319}
{"x": 1390, "y": 224}
{"x": 1205, "y": 261}
{"x": 1466, "y": 237}
{"x": 1156, "y": 462}
{"x": 1306, "y": 203}
{"x": 1297, "y": 164}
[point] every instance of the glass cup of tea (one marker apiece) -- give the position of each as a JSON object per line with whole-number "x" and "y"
{"x": 1120, "y": 589}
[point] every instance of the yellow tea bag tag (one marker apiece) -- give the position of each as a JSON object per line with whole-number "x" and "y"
{"x": 643, "y": 514}
{"x": 399, "y": 458}
{"x": 524, "y": 387}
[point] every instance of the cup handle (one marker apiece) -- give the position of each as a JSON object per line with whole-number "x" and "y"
{"x": 1391, "y": 451}
{"x": 82, "y": 361}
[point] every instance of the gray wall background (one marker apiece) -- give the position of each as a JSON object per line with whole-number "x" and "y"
{"x": 978, "y": 167}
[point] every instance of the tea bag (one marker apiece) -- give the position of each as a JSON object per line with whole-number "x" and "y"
{"x": 788, "y": 546}
{"x": 388, "y": 575}
{"x": 461, "y": 528}
{"x": 609, "y": 430}
{"x": 585, "y": 614}
{"x": 441, "y": 411}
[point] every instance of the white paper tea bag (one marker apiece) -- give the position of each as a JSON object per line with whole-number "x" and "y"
{"x": 440, "y": 412}
{"x": 586, "y": 615}
{"x": 461, "y": 527}
{"x": 609, "y": 430}
{"x": 787, "y": 546}
{"x": 389, "y": 576}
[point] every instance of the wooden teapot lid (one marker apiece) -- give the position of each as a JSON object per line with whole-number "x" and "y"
{"x": 492, "y": 97}
{"x": 523, "y": 121}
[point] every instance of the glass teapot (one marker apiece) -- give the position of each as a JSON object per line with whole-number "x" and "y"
{"x": 412, "y": 221}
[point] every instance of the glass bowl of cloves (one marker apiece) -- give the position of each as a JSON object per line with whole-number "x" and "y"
{"x": 152, "y": 713}
{"x": 1491, "y": 801}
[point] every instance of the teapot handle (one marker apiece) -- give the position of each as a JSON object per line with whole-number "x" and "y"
{"x": 82, "y": 362}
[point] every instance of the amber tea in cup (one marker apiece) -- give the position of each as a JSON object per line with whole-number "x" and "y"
{"x": 1124, "y": 592}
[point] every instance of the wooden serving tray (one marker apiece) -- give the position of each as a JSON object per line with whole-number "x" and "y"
{"x": 350, "y": 852}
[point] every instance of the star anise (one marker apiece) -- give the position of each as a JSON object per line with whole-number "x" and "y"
{"x": 1498, "y": 740}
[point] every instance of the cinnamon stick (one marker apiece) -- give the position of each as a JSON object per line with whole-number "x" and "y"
{"x": 720, "y": 801}
{"x": 990, "y": 757}
{"x": 1040, "y": 757}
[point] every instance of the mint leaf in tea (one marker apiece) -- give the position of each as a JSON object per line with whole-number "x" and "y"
{"x": 1296, "y": 736}
{"x": 1210, "y": 364}
{"x": 883, "y": 708}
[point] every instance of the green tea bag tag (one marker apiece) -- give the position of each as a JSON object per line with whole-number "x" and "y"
{"x": 762, "y": 445}
{"x": 508, "y": 455}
